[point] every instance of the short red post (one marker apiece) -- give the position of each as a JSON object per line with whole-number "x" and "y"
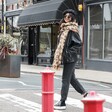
{"x": 93, "y": 102}
{"x": 47, "y": 90}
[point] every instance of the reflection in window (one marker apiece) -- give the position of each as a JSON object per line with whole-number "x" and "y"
{"x": 12, "y": 24}
{"x": 108, "y": 31}
{"x": 9, "y": 25}
{"x": 96, "y": 34}
{"x": 15, "y": 21}
{"x": 0, "y": 25}
{"x": 45, "y": 40}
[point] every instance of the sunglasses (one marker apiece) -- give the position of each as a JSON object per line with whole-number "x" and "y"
{"x": 67, "y": 16}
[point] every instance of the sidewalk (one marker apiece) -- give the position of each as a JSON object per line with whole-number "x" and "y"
{"x": 93, "y": 75}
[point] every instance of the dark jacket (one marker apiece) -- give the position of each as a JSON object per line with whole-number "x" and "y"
{"x": 71, "y": 47}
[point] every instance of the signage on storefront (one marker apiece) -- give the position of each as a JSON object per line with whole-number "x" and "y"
{"x": 96, "y": 26}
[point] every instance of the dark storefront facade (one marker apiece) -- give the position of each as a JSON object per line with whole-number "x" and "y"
{"x": 42, "y": 21}
{"x": 98, "y": 35}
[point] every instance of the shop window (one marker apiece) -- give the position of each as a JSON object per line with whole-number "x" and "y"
{"x": 25, "y": 3}
{"x": 9, "y": 25}
{"x": 12, "y": 27}
{"x": 15, "y": 6}
{"x": 9, "y": 7}
{"x": 24, "y": 43}
{"x": 100, "y": 31}
{"x": 21, "y": 4}
{"x": 45, "y": 40}
{"x": 29, "y": 2}
{"x": 96, "y": 32}
{"x": 0, "y": 25}
{"x": 108, "y": 31}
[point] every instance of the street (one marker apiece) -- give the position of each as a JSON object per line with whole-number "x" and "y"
{"x": 24, "y": 94}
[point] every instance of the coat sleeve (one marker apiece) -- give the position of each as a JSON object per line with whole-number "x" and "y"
{"x": 75, "y": 40}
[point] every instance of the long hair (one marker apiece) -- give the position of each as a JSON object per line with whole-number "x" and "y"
{"x": 73, "y": 18}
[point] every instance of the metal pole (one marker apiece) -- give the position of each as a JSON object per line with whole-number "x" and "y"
{"x": 4, "y": 18}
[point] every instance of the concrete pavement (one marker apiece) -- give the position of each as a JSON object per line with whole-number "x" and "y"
{"x": 101, "y": 76}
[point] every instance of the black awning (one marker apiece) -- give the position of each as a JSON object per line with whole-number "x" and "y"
{"x": 45, "y": 12}
{"x": 13, "y": 13}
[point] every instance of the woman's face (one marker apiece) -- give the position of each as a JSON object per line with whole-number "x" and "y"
{"x": 67, "y": 17}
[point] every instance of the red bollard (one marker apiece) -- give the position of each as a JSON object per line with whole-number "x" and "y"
{"x": 47, "y": 90}
{"x": 93, "y": 102}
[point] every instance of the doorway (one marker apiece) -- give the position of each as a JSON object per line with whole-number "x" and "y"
{"x": 32, "y": 48}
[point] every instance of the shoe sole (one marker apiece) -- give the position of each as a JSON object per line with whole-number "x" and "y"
{"x": 59, "y": 108}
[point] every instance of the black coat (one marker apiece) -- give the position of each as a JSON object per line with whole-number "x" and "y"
{"x": 71, "y": 48}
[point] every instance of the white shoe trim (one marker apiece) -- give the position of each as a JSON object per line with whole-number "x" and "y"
{"x": 59, "y": 107}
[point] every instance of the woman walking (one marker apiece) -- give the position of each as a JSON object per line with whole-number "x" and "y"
{"x": 67, "y": 52}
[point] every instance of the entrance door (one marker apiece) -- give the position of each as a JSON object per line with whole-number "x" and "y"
{"x": 32, "y": 46}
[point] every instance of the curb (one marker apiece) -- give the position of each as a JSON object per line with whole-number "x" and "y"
{"x": 77, "y": 78}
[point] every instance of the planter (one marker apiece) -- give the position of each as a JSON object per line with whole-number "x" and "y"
{"x": 10, "y": 66}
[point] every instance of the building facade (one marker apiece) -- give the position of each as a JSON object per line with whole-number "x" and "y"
{"x": 42, "y": 21}
{"x": 36, "y": 22}
{"x": 11, "y": 9}
{"x": 98, "y": 34}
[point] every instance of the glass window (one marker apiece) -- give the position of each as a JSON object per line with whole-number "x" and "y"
{"x": 1, "y": 25}
{"x": 95, "y": 32}
{"x": 45, "y": 39}
{"x": 15, "y": 21}
{"x": 108, "y": 31}
{"x": 15, "y": 6}
{"x": 9, "y": 7}
{"x": 9, "y": 25}
{"x": 12, "y": 24}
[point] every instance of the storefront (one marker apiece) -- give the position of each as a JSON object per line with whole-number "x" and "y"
{"x": 98, "y": 35}
{"x": 42, "y": 20}
{"x": 11, "y": 21}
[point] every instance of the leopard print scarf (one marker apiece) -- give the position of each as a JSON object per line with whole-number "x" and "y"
{"x": 64, "y": 29}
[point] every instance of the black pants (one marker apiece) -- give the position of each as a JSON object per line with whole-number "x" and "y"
{"x": 68, "y": 78}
